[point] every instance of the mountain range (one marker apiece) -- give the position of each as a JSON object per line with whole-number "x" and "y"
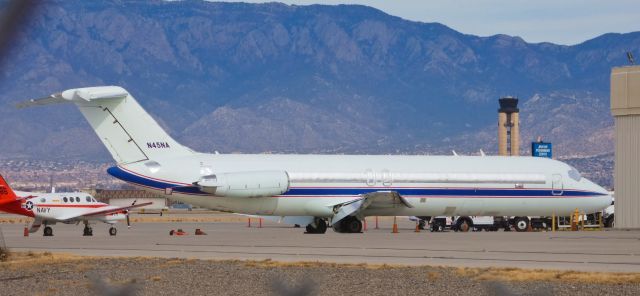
{"x": 238, "y": 77}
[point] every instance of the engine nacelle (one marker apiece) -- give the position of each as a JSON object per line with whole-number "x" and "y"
{"x": 245, "y": 184}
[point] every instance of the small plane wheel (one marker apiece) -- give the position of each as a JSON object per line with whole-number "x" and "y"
{"x": 48, "y": 231}
{"x": 422, "y": 224}
{"x": 113, "y": 231}
{"x": 87, "y": 231}
{"x": 521, "y": 224}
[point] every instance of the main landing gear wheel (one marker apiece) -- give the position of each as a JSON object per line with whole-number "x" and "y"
{"x": 521, "y": 224}
{"x": 113, "y": 231}
{"x": 464, "y": 225}
{"x": 351, "y": 225}
{"x": 319, "y": 227}
{"x": 48, "y": 231}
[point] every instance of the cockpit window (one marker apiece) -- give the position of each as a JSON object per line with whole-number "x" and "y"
{"x": 42, "y": 200}
{"x": 574, "y": 174}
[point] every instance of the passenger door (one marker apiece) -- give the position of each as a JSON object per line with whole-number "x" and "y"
{"x": 556, "y": 184}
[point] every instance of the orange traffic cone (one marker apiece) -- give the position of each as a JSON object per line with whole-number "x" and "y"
{"x": 395, "y": 225}
{"x": 417, "y": 227}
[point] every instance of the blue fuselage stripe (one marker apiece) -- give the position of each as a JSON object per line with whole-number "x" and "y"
{"x": 406, "y": 192}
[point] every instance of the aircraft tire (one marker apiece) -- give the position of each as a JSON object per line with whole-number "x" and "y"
{"x": 422, "y": 224}
{"x": 48, "y": 231}
{"x": 521, "y": 224}
{"x": 351, "y": 225}
{"x": 464, "y": 225}
{"x": 113, "y": 231}
{"x": 321, "y": 227}
{"x": 611, "y": 222}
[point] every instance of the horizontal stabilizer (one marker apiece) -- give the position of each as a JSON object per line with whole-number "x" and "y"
{"x": 78, "y": 95}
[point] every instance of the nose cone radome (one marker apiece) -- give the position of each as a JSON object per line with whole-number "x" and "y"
{"x": 603, "y": 196}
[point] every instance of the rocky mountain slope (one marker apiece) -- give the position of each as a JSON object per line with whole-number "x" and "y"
{"x": 239, "y": 77}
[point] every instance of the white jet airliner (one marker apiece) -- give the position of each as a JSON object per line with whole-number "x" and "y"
{"x": 315, "y": 189}
{"x": 68, "y": 207}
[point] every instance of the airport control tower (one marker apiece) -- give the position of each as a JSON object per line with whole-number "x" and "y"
{"x": 508, "y": 127}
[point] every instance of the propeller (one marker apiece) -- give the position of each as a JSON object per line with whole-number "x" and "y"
{"x": 128, "y": 220}
{"x": 127, "y": 214}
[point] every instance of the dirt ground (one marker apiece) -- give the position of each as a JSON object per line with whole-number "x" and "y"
{"x": 60, "y": 274}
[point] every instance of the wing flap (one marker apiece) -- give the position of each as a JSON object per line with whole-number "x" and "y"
{"x": 373, "y": 200}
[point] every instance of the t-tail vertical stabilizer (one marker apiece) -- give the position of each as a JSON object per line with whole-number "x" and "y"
{"x": 124, "y": 127}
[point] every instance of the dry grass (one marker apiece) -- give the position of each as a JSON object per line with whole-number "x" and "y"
{"x": 268, "y": 263}
{"x": 16, "y": 220}
{"x": 27, "y": 259}
{"x": 527, "y": 275}
{"x": 22, "y": 260}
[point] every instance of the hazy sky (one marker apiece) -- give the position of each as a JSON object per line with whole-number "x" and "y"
{"x": 557, "y": 21}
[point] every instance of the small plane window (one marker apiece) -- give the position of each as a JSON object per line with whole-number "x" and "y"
{"x": 88, "y": 199}
{"x": 42, "y": 200}
{"x": 93, "y": 199}
{"x": 71, "y": 199}
{"x": 77, "y": 199}
{"x": 64, "y": 199}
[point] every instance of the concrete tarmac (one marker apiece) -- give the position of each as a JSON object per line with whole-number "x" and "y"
{"x": 594, "y": 251}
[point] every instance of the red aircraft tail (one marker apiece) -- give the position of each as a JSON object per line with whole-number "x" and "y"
{"x": 6, "y": 194}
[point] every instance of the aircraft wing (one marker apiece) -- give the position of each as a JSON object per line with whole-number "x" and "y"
{"x": 108, "y": 211}
{"x": 373, "y": 200}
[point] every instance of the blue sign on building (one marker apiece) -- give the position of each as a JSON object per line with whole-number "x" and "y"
{"x": 541, "y": 149}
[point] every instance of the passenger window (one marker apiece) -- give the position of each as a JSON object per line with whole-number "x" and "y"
{"x": 88, "y": 199}
{"x": 77, "y": 199}
{"x": 64, "y": 199}
{"x": 42, "y": 200}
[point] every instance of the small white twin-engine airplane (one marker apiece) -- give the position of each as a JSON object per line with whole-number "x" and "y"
{"x": 315, "y": 189}
{"x": 68, "y": 208}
